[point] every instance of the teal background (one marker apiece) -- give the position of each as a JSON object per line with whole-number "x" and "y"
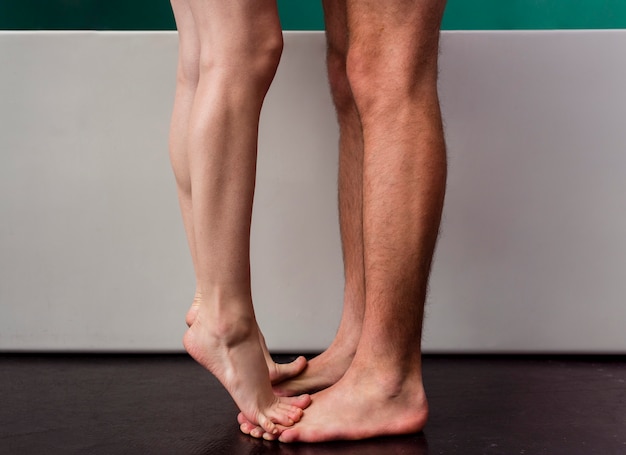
{"x": 307, "y": 14}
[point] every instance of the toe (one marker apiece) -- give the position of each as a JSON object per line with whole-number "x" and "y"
{"x": 246, "y": 428}
{"x": 283, "y": 371}
{"x": 270, "y": 437}
{"x": 253, "y": 430}
{"x": 280, "y": 416}
{"x": 290, "y": 435}
{"x": 293, "y": 412}
{"x": 268, "y": 425}
{"x": 302, "y": 401}
{"x": 284, "y": 413}
{"x": 257, "y": 432}
{"x": 244, "y": 425}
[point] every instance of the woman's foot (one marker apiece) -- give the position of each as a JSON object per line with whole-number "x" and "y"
{"x": 320, "y": 373}
{"x": 225, "y": 341}
{"x": 278, "y": 372}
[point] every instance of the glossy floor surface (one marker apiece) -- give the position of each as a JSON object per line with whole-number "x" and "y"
{"x": 155, "y": 404}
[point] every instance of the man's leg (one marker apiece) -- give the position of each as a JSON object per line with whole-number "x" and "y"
{"x": 392, "y": 70}
{"x": 327, "y": 368}
{"x": 239, "y": 47}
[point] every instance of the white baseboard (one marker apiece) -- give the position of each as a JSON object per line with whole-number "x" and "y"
{"x": 532, "y": 256}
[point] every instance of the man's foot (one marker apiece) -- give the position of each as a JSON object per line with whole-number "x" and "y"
{"x": 321, "y": 372}
{"x": 328, "y": 367}
{"x": 278, "y": 372}
{"x": 227, "y": 344}
{"x": 363, "y": 404}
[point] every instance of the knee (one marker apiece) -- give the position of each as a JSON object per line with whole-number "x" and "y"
{"x": 384, "y": 75}
{"x": 251, "y": 61}
{"x": 265, "y": 60}
{"x": 338, "y": 80}
{"x": 188, "y": 71}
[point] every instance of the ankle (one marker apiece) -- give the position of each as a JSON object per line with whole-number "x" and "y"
{"x": 347, "y": 338}
{"x": 231, "y": 330}
{"x": 389, "y": 375}
{"x": 228, "y": 321}
{"x": 344, "y": 347}
{"x": 208, "y": 294}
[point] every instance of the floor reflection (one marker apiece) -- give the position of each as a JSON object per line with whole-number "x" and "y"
{"x": 415, "y": 444}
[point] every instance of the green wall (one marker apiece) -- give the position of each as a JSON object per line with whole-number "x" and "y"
{"x": 307, "y": 14}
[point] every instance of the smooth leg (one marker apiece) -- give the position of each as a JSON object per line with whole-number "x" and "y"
{"x": 229, "y": 53}
{"x": 188, "y": 75}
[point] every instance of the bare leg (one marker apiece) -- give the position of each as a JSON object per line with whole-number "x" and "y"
{"x": 239, "y": 48}
{"x": 392, "y": 69}
{"x": 188, "y": 74}
{"x": 327, "y": 368}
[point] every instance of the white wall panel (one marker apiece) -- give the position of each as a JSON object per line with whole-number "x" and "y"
{"x": 532, "y": 252}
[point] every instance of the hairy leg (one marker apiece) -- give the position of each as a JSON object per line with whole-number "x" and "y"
{"x": 327, "y": 368}
{"x": 239, "y": 48}
{"x": 392, "y": 69}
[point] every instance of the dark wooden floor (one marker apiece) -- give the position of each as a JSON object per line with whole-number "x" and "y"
{"x": 131, "y": 404}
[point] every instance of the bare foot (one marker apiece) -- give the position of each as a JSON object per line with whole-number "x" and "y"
{"x": 278, "y": 372}
{"x": 321, "y": 372}
{"x": 227, "y": 344}
{"x": 365, "y": 403}
{"x": 330, "y": 366}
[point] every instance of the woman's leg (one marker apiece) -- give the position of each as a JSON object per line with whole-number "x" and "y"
{"x": 214, "y": 132}
{"x": 188, "y": 74}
